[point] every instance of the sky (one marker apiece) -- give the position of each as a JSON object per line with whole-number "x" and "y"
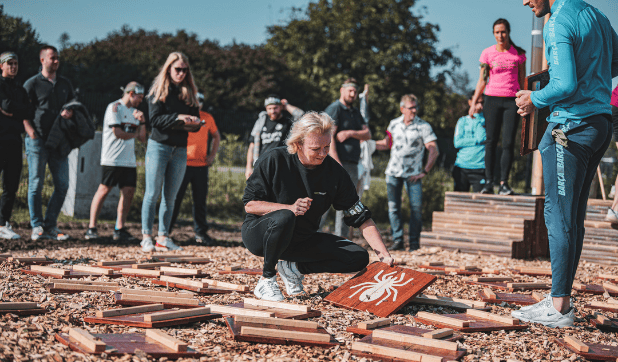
{"x": 465, "y": 25}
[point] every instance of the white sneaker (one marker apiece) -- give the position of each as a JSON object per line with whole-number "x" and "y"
{"x": 55, "y": 234}
{"x": 548, "y": 316}
{"x": 526, "y": 308}
{"x": 612, "y": 216}
{"x": 38, "y": 233}
{"x": 291, "y": 277}
{"x": 267, "y": 289}
{"x": 147, "y": 245}
{"x": 166, "y": 245}
{"x": 6, "y": 232}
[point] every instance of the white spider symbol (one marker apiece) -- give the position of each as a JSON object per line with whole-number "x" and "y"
{"x": 374, "y": 290}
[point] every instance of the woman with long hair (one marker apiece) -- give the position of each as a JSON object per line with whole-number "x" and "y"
{"x": 503, "y": 69}
{"x": 173, "y": 112}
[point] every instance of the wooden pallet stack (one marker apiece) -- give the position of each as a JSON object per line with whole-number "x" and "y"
{"x": 511, "y": 226}
{"x": 601, "y": 238}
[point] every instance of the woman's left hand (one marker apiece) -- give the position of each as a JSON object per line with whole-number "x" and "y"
{"x": 388, "y": 260}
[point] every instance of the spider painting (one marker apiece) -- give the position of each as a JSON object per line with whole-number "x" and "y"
{"x": 372, "y": 291}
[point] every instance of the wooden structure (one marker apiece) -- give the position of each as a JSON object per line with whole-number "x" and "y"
{"x": 534, "y": 125}
{"x": 77, "y": 286}
{"x": 155, "y": 343}
{"x": 21, "y": 308}
{"x": 471, "y": 321}
{"x": 487, "y": 295}
{"x": 590, "y": 351}
{"x": 60, "y": 273}
{"x": 597, "y": 289}
{"x": 454, "y": 269}
{"x": 600, "y": 239}
{"x": 511, "y": 286}
{"x": 151, "y": 316}
{"x": 148, "y": 297}
{"x": 365, "y": 329}
{"x": 278, "y": 309}
{"x": 455, "y": 303}
{"x": 610, "y": 307}
{"x": 380, "y": 289}
{"x": 204, "y": 286}
{"x": 279, "y": 331}
{"x": 603, "y": 323}
{"x": 511, "y": 226}
{"x": 535, "y": 272}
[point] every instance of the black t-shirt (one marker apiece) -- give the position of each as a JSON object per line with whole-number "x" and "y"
{"x": 281, "y": 178}
{"x": 274, "y": 133}
{"x": 346, "y": 119}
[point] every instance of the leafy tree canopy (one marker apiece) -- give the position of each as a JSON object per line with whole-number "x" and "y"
{"x": 18, "y": 36}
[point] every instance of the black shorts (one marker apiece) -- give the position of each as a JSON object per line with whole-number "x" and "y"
{"x": 121, "y": 176}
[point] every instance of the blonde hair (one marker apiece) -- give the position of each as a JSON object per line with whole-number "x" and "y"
{"x": 408, "y": 98}
{"x": 160, "y": 86}
{"x": 310, "y": 122}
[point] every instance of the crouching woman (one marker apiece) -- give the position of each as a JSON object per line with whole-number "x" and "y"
{"x": 285, "y": 197}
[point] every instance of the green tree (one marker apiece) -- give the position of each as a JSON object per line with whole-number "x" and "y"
{"x": 18, "y": 36}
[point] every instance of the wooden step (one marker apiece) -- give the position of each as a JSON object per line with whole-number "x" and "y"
{"x": 477, "y": 229}
{"x": 507, "y": 221}
{"x": 463, "y": 209}
{"x": 473, "y": 239}
{"x": 471, "y": 248}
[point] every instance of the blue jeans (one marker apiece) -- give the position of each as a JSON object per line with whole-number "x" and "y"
{"x": 394, "y": 187}
{"x": 568, "y": 173}
{"x": 165, "y": 168}
{"x": 38, "y": 158}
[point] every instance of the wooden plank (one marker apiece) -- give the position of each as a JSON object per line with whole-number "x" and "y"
{"x": 49, "y": 270}
{"x": 399, "y": 354}
{"x": 161, "y": 316}
{"x": 18, "y": 305}
{"x": 129, "y": 310}
{"x": 468, "y": 267}
{"x": 285, "y": 334}
{"x": 490, "y": 271}
{"x": 443, "y": 320}
{"x": 84, "y": 282}
{"x": 490, "y": 294}
{"x": 163, "y": 256}
{"x": 117, "y": 262}
{"x": 232, "y": 267}
{"x": 493, "y": 317}
{"x": 526, "y": 285}
{"x": 410, "y": 339}
{"x": 181, "y": 270}
{"x": 167, "y": 340}
{"x": 84, "y": 287}
{"x": 140, "y": 272}
{"x": 157, "y": 299}
{"x": 610, "y": 287}
{"x": 23, "y": 259}
{"x": 376, "y": 323}
{"x": 603, "y": 320}
{"x": 156, "y": 293}
{"x": 280, "y": 305}
{"x": 537, "y": 296}
{"x": 93, "y": 270}
{"x": 525, "y": 270}
{"x": 150, "y": 265}
{"x": 190, "y": 259}
{"x": 435, "y": 263}
{"x": 594, "y": 303}
{"x": 608, "y": 276}
{"x": 276, "y": 321}
{"x": 87, "y": 340}
{"x": 183, "y": 281}
{"x": 576, "y": 344}
{"x": 492, "y": 279}
{"x": 449, "y": 302}
{"x": 225, "y": 310}
{"x": 225, "y": 285}
{"x": 439, "y": 333}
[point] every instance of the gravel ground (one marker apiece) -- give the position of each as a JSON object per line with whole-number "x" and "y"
{"x": 32, "y": 338}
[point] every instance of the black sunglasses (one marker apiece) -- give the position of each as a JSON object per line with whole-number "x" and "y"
{"x": 181, "y": 70}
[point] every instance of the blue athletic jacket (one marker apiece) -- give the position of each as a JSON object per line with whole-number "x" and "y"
{"x": 582, "y": 52}
{"x": 470, "y": 139}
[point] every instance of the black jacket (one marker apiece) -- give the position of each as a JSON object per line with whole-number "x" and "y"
{"x": 67, "y": 134}
{"x": 164, "y": 116}
{"x": 14, "y": 100}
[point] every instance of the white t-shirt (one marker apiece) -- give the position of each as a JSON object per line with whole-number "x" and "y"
{"x": 408, "y": 146}
{"x": 117, "y": 152}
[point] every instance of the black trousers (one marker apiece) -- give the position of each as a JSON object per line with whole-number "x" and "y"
{"x": 465, "y": 177}
{"x": 500, "y": 113}
{"x": 198, "y": 178}
{"x": 10, "y": 166}
{"x": 271, "y": 236}
{"x": 615, "y": 122}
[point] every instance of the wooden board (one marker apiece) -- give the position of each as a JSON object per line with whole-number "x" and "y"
{"x": 596, "y": 351}
{"x": 150, "y": 265}
{"x": 400, "y": 348}
{"x": 610, "y": 307}
{"x": 30, "y": 260}
{"x": 510, "y": 298}
{"x": 456, "y": 269}
{"x": 611, "y": 277}
{"x": 536, "y": 272}
{"x": 380, "y": 289}
{"x": 74, "y": 288}
{"x": 128, "y": 343}
{"x": 186, "y": 260}
{"x": 280, "y": 312}
{"x": 207, "y": 290}
{"x": 505, "y": 286}
{"x": 72, "y": 274}
{"x": 593, "y": 289}
{"x": 235, "y": 328}
{"x": 242, "y": 271}
{"x": 154, "y": 274}
{"x": 611, "y": 327}
{"x": 116, "y": 262}
{"x": 475, "y": 324}
{"x": 138, "y": 320}
{"x": 415, "y": 331}
{"x": 533, "y": 126}
{"x": 21, "y": 308}
{"x": 173, "y": 302}
{"x": 456, "y": 303}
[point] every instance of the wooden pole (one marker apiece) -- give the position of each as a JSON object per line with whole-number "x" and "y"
{"x": 600, "y": 175}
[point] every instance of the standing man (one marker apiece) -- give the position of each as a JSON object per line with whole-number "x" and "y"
{"x": 121, "y": 125}
{"x": 15, "y": 109}
{"x": 582, "y": 50}
{"x": 271, "y": 129}
{"x": 200, "y": 156}
{"x": 350, "y": 129}
{"x": 48, "y": 92}
{"x": 407, "y": 137}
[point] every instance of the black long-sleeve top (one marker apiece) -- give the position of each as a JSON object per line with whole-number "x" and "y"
{"x": 280, "y": 177}
{"x": 164, "y": 116}
{"x": 13, "y": 100}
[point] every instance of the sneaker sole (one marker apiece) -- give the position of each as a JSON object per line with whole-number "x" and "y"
{"x": 559, "y": 324}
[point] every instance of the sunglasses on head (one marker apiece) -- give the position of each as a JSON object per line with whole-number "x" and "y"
{"x": 181, "y": 70}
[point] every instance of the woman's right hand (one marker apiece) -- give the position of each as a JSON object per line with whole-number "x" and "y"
{"x": 471, "y": 110}
{"x": 301, "y": 206}
{"x": 188, "y": 119}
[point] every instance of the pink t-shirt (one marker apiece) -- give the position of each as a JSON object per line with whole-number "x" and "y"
{"x": 614, "y": 101}
{"x": 504, "y": 71}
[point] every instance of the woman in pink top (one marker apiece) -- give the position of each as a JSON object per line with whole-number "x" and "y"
{"x": 503, "y": 68}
